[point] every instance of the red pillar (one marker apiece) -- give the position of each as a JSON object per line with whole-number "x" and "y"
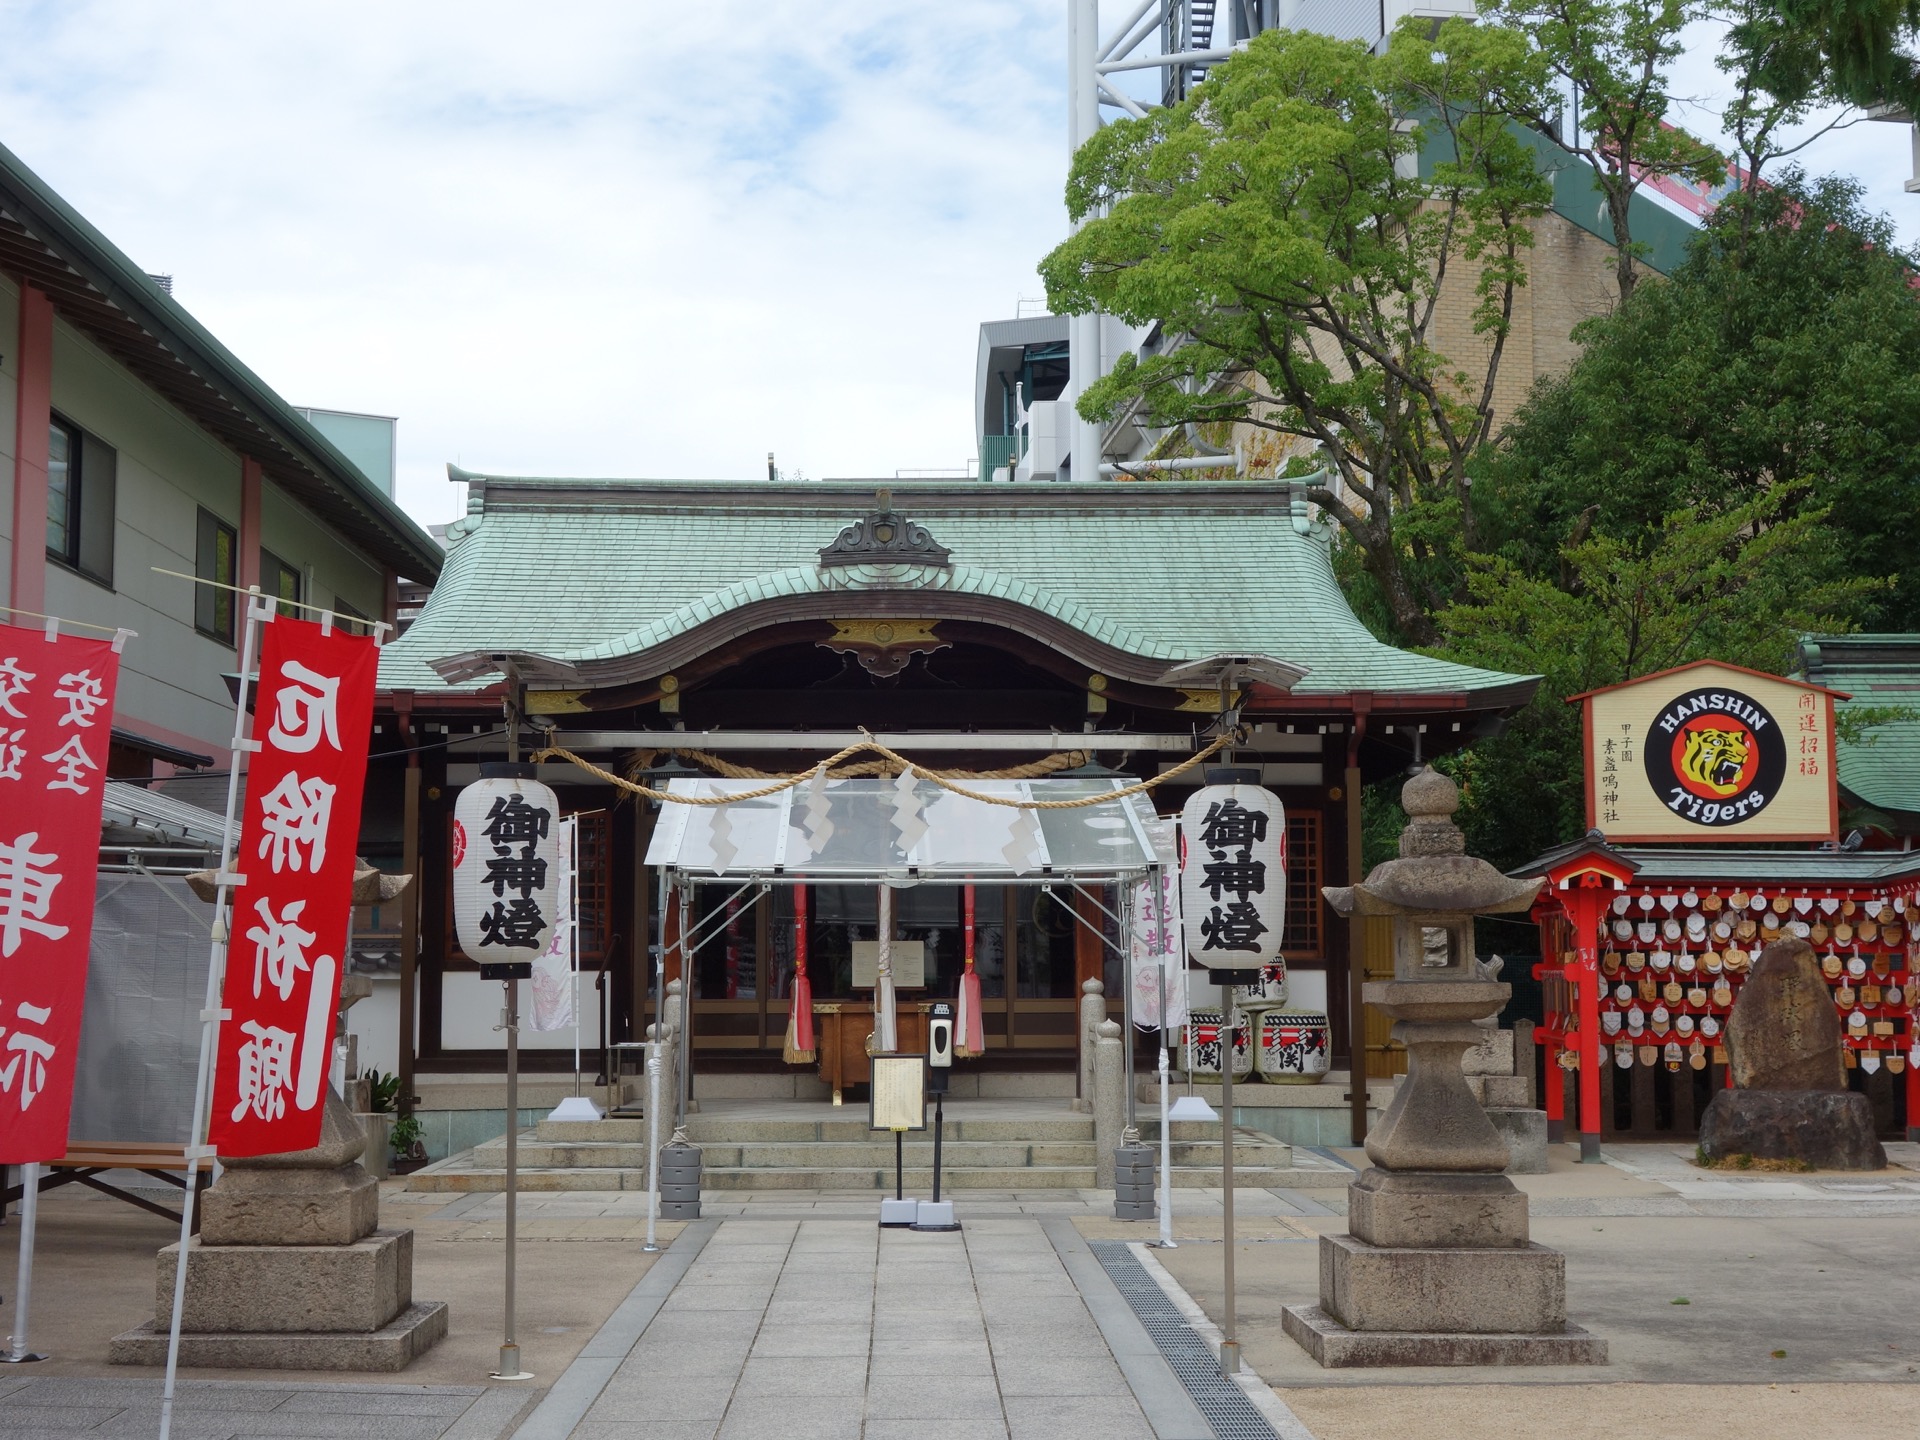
{"x": 247, "y": 562}
{"x": 33, "y": 414}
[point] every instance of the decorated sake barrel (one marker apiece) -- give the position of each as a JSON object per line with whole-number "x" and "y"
{"x": 1269, "y": 991}
{"x": 1294, "y": 1046}
{"x": 1203, "y": 1044}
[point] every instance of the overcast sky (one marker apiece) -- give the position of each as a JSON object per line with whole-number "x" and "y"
{"x": 597, "y": 238}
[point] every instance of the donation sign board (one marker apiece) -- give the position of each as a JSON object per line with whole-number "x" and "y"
{"x": 1711, "y": 753}
{"x": 56, "y": 714}
{"x": 313, "y": 715}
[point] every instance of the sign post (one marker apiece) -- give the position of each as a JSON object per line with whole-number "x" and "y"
{"x": 897, "y": 1101}
{"x": 506, "y": 891}
{"x": 1233, "y": 893}
{"x": 937, "y": 1214}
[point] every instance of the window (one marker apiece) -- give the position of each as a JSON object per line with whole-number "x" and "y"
{"x": 281, "y": 581}
{"x": 346, "y": 608}
{"x": 80, "y": 485}
{"x": 214, "y": 559}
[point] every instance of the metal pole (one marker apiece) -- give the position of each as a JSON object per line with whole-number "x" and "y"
{"x": 1166, "y": 1150}
{"x": 653, "y": 1135}
{"x": 210, "y": 1012}
{"x": 899, "y": 1165}
{"x": 939, "y": 1130}
{"x": 1356, "y": 959}
{"x": 17, "y": 1352}
{"x": 509, "y": 1368}
{"x": 1126, "y": 1002}
{"x": 1229, "y": 1032}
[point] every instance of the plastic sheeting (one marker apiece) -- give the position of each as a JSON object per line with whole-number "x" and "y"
{"x": 146, "y": 984}
{"x": 888, "y": 829}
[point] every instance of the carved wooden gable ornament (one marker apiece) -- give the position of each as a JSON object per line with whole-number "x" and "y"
{"x": 885, "y": 538}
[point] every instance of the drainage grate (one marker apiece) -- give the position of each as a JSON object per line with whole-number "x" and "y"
{"x": 1226, "y": 1407}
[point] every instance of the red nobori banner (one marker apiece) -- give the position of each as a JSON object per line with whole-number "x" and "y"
{"x": 287, "y": 928}
{"x": 56, "y": 720}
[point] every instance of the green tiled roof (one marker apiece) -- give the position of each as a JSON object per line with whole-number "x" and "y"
{"x": 1882, "y": 767}
{"x": 586, "y": 571}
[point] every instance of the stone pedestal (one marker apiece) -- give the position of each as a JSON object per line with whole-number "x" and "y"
{"x": 289, "y": 1271}
{"x": 1827, "y": 1129}
{"x": 1438, "y": 1266}
{"x": 1790, "y": 1100}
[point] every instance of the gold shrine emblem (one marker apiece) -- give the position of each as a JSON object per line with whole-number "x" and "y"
{"x": 884, "y": 647}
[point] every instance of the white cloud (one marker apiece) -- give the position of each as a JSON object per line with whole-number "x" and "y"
{"x": 585, "y": 237}
{"x": 580, "y": 238}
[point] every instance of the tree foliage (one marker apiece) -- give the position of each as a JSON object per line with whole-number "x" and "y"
{"x": 1724, "y": 584}
{"x": 1616, "y": 55}
{"x": 1784, "y": 354}
{"x": 1278, "y": 226}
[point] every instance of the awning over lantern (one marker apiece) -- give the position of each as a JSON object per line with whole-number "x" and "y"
{"x": 897, "y": 829}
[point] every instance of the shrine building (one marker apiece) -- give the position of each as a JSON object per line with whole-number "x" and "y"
{"x": 1041, "y": 633}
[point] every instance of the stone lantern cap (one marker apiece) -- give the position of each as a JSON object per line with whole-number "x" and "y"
{"x": 1434, "y": 875}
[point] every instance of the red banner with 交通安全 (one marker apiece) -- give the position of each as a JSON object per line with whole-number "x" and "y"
{"x": 56, "y": 722}
{"x": 287, "y": 926}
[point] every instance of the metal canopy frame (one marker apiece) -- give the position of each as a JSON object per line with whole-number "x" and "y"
{"x": 679, "y": 878}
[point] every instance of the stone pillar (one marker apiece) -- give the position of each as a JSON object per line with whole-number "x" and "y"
{"x": 290, "y": 1272}
{"x": 1438, "y": 1266}
{"x": 1093, "y": 1010}
{"x": 1109, "y": 1098}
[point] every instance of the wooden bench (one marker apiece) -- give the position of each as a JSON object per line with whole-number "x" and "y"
{"x": 87, "y": 1160}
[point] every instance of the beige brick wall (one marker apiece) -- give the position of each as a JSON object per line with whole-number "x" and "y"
{"x": 1569, "y": 278}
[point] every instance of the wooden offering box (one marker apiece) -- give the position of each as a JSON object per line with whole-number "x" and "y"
{"x": 841, "y": 1028}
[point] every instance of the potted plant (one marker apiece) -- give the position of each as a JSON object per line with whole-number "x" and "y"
{"x": 409, "y": 1153}
{"x": 377, "y": 1121}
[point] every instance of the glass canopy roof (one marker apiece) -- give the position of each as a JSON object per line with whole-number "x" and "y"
{"x": 884, "y": 830}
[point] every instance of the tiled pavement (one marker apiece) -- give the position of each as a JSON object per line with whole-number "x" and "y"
{"x": 33, "y": 1408}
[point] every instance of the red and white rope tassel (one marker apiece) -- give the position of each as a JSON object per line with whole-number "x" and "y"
{"x": 799, "y": 1047}
{"x": 972, "y": 1035}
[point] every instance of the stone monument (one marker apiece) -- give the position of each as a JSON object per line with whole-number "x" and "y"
{"x": 1437, "y": 1267}
{"x": 290, "y": 1272}
{"x": 1790, "y": 1099}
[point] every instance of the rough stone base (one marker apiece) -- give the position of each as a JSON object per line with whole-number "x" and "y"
{"x": 1336, "y": 1347}
{"x": 1434, "y": 1210}
{"x": 1518, "y": 1290}
{"x": 306, "y": 1289}
{"x": 291, "y": 1207}
{"x": 1525, "y": 1132}
{"x": 413, "y": 1332}
{"x": 1828, "y": 1129}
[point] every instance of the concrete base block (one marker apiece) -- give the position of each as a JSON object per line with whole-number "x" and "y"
{"x": 290, "y": 1207}
{"x": 934, "y": 1215}
{"x": 1336, "y": 1347}
{"x": 1519, "y": 1290}
{"x": 898, "y": 1213}
{"x": 1425, "y": 1210}
{"x": 354, "y": 1288}
{"x": 1525, "y": 1132}
{"x": 394, "y": 1346}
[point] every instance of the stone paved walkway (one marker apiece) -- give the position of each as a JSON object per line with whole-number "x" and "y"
{"x": 34, "y": 1408}
{"x": 836, "y": 1330}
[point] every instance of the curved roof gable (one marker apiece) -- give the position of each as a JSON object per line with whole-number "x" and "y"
{"x": 626, "y": 579}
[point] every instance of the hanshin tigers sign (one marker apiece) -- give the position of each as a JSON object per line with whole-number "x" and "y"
{"x": 1711, "y": 752}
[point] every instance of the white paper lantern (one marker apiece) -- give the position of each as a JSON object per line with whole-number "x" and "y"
{"x": 506, "y": 865}
{"x": 1233, "y": 880}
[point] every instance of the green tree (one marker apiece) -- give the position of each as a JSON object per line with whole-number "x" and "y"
{"x": 1282, "y": 228}
{"x": 1726, "y": 584}
{"x": 1781, "y": 77}
{"x": 1784, "y": 352}
{"x": 1863, "y": 45}
{"x": 1617, "y": 57}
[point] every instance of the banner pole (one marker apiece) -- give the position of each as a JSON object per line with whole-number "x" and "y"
{"x": 17, "y": 1352}
{"x": 210, "y": 1013}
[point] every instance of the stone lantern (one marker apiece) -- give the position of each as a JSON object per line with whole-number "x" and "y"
{"x": 1438, "y": 1267}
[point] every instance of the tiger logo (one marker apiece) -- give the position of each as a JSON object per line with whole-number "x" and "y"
{"x": 1716, "y": 760}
